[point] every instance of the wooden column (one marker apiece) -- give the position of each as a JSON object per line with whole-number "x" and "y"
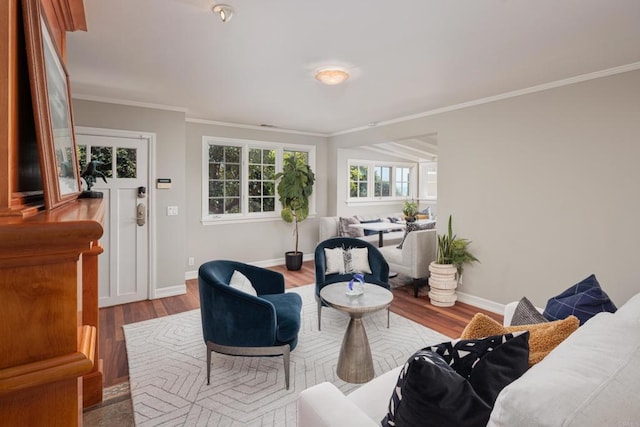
{"x": 47, "y": 346}
{"x": 92, "y": 382}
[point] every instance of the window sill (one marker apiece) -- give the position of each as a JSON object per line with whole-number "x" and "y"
{"x": 376, "y": 202}
{"x": 241, "y": 219}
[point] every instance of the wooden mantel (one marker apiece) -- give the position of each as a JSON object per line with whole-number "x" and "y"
{"x": 49, "y": 356}
{"x": 48, "y": 264}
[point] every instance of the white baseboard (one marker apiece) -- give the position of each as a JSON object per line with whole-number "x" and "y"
{"x": 193, "y": 274}
{"x": 170, "y": 291}
{"x": 481, "y": 302}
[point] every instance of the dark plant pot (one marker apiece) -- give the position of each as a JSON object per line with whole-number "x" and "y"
{"x": 293, "y": 260}
{"x": 91, "y": 195}
{"x": 410, "y": 219}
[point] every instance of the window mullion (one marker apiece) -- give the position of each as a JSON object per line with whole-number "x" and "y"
{"x": 371, "y": 181}
{"x": 244, "y": 187}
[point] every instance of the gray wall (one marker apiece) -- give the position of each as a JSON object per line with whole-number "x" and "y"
{"x": 256, "y": 242}
{"x": 169, "y": 127}
{"x": 545, "y": 185}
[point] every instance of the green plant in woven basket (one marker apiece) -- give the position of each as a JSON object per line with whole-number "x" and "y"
{"x": 454, "y": 250}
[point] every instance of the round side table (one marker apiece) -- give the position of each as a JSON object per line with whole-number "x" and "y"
{"x": 355, "y": 363}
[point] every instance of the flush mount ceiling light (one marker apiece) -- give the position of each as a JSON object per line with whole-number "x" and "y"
{"x": 332, "y": 76}
{"x": 224, "y": 11}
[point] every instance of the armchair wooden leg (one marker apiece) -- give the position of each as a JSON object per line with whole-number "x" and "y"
{"x": 286, "y": 359}
{"x": 388, "y": 316}
{"x": 319, "y": 315}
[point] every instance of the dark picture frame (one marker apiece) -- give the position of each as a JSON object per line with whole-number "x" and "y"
{"x": 51, "y": 98}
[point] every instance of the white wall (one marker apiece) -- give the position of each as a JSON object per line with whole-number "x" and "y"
{"x": 545, "y": 185}
{"x": 169, "y": 127}
{"x": 255, "y": 242}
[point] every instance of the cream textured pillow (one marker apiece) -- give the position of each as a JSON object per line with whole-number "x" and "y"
{"x": 543, "y": 337}
{"x": 356, "y": 260}
{"x": 240, "y": 282}
{"x": 334, "y": 258}
{"x": 346, "y": 231}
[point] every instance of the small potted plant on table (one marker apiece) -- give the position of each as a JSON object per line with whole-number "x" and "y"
{"x": 410, "y": 210}
{"x": 453, "y": 254}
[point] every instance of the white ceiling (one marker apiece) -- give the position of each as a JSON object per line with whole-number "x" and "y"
{"x": 406, "y": 56}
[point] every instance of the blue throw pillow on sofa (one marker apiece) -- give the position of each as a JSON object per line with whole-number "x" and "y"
{"x": 584, "y": 300}
{"x": 456, "y": 383}
{"x": 369, "y": 221}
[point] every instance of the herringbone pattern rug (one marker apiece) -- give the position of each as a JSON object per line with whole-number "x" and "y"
{"x": 167, "y": 368}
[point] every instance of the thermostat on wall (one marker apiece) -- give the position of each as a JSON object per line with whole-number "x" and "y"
{"x": 163, "y": 183}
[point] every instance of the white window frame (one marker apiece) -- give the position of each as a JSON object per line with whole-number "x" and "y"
{"x": 378, "y": 200}
{"x": 245, "y": 144}
{"x": 428, "y": 177}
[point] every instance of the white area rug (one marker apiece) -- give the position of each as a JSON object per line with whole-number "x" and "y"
{"x": 167, "y": 368}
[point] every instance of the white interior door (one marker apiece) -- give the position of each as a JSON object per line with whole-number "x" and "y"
{"x": 124, "y": 265}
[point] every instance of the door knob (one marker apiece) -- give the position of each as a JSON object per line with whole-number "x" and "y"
{"x": 141, "y": 214}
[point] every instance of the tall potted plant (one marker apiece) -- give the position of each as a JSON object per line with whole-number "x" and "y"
{"x": 294, "y": 189}
{"x": 453, "y": 255}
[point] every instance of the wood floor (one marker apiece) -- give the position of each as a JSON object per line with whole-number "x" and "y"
{"x": 449, "y": 321}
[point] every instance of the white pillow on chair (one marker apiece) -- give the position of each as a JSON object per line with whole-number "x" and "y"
{"x": 334, "y": 258}
{"x": 352, "y": 260}
{"x": 240, "y": 282}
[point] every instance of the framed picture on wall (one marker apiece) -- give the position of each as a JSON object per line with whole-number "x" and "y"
{"x": 51, "y": 100}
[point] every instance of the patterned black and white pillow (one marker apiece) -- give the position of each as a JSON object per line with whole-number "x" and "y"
{"x": 356, "y": 260}
{"x": 463, "y": 374}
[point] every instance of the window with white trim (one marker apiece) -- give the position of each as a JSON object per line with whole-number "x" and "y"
{"x": 239, "y": 178}
{"x": 358, "y": 181}
{"x": 382, "y": 183}
{"x": 224, "y": 179}
{"x": 402, "y": 181}
{"x": 372, "y": 181}
{"x": 262, "y": 183}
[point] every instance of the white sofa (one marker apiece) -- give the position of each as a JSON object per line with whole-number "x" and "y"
{"x": 591, "y": 379}
{"x": 328, "y": 227}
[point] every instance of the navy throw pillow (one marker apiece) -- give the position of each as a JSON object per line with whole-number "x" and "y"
{"x": 456, "y": 383}
{"x": 369, "y": 221}
{"x": 584, "y": 300}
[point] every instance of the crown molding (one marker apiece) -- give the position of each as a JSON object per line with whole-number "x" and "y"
{"x": 128, "y": 102}
{"x": 254, "y": 127}
{"x": 533, "y": 89}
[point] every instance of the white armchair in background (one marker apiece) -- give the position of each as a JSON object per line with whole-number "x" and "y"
{"x": 418, "y": 251}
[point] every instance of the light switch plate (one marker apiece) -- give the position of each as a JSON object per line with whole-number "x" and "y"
{"x": 172, "y": 210}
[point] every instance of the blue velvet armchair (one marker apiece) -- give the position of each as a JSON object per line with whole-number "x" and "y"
{"x": 379, "y": 268}
{"x": 240, "y": 324}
